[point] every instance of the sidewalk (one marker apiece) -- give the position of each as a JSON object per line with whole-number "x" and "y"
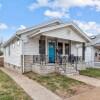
{"x": 90, "y": 95}
{"x": 87, "y": 80}
{"x": 32, "y": 88}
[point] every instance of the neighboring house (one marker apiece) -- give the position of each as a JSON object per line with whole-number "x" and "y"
{"x": 38, "y": 47}
{"x": 92, "y": 53}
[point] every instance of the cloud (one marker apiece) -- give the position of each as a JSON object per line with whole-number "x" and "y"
{"x": 21, "y": 27}
{"x": 65, "y": 4}
{"x": 90, "y": 28}
{"x": 0, "y": 6}
{"x": 3, "y": 26}
{"x": 60, "y": 8}
{"x": 56, "y": 14}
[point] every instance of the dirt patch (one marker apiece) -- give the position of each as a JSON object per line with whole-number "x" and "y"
{"x": 61, "y": 85}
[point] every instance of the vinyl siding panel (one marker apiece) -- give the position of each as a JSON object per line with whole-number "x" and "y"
{"x": 15, "y": 53}
{"x": 63, "y": 34}
{"x": 89, "y": 54}
{"x": 31, "y": 47}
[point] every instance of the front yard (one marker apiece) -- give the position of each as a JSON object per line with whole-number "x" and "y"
{"x": 9, "y": 90}
{"x": 91, "y": 72}
{"x": 59, "y": 84}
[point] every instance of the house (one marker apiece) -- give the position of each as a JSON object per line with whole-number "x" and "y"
{"x": 92, "y": 53}
{"x": 44, "y": 48}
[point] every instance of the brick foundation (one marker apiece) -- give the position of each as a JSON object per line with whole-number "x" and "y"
{"x": 13, "y": 67}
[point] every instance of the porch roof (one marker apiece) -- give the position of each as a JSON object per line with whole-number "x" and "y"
{"x": 72, "y": 24}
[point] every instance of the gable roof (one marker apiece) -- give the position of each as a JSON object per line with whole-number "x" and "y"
{"x": 39, "y": 26}
{"x": 45, "y": 27}
{"x": 32, "y": 28}
{"x": 60, "y": 26}
{"x": 95, "y": 39}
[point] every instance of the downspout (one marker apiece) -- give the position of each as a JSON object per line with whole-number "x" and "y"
{"x": 23, "y": 66}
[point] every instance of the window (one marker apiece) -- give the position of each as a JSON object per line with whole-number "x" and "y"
{"x": 66, "y": 48}
{"x": 18, "y": 42}
{"x": 60, "y": 48}
{"x": 9, "y": 50}
{"x": 96, "y": 54}
{"x": 13, "y": 45}
{"x": 41, "y": 46}
{"x": 5, "y": 51}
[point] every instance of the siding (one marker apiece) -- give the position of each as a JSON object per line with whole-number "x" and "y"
{"x": 32, "y": 47}
{"x": 62, "y": 33}
{"x": 89, "y": 54}
{"x": 15, "y": 54}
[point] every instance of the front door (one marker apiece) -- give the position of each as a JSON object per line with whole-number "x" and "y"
{"x": 51, "y": 52}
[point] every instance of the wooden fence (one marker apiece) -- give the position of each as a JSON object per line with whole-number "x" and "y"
{"x": 1, "y": 61}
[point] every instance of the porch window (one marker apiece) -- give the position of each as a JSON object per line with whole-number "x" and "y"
{"x": 96, "y": 54}
{"x": 41, "y": 46}
{"x": 60, "y": 48}
{"x": 66, "y": 48}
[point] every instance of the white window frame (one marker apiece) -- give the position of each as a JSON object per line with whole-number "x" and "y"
{"x": 13, "y": 45}
{"x": 18, "y": 42}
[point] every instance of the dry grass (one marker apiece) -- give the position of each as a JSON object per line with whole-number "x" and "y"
{"x": 59, "y": 84}
{"x": 9, "y": 90}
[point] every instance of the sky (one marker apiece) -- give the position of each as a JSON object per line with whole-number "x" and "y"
{"x": 20, "y": 14}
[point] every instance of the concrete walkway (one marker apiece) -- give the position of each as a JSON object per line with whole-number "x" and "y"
{"x": 86, "y": 79}
{"x": 32, "y": 88}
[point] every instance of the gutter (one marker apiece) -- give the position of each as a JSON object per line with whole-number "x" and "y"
{"x": 23, "y": 66}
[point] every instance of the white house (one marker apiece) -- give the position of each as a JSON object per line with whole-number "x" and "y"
{"x": 92, "y": 53}
{"x": 37, "y": 48}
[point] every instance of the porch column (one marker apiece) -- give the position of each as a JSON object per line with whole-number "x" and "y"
{"x": 46, "y": 46}
{"x": 69, "y": 41}
{"x": 56, "y": 42}
{"x": 83, "y": 51}
{"x": 63, "y": 48}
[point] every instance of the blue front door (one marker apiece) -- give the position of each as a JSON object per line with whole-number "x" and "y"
{"x": 51, "y": 52}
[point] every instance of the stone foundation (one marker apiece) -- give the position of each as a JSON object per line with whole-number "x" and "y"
{"x": 28, "y": 62}
{"x": 43, "y": 69}
{"x": 13, "y": 67}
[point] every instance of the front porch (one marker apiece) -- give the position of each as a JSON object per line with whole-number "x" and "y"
{"x": 56, "y": 55}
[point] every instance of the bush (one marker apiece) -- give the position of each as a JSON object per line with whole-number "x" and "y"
{"x": 1, "y": 53}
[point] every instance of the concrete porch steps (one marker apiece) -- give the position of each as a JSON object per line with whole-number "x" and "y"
{"x": 67, "y": 71}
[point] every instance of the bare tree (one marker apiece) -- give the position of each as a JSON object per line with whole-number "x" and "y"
{"x": 1, "y": 42}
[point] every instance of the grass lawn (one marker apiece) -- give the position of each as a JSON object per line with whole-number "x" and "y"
{"x": 59, "y": 84}
{"x": 91, "y": 72}
{"x": 9, "y": 90}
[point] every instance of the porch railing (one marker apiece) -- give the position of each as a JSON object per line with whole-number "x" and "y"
{"x": 60, "y": 60}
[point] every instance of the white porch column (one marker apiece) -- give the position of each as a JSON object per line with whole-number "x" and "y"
{"x": 63, "y": 48}
{"x": 46, "y": 46}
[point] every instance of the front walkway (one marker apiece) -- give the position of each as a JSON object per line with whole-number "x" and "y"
{"x": 32, "y": 88}
{"x": 86, "y": 79}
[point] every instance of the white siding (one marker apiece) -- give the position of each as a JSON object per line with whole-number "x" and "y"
{"x": 15, "y": 53}
{"x": 62, "y": 33}
{"x": 89, "y": 54}
{"x": 31, "y": 47}
{"x": 73, "y": 48}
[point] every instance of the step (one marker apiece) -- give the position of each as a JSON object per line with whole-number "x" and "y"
{"x": 74, "y": 73}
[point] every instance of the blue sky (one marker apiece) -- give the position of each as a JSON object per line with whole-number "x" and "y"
{"x": 19, "y": 14}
